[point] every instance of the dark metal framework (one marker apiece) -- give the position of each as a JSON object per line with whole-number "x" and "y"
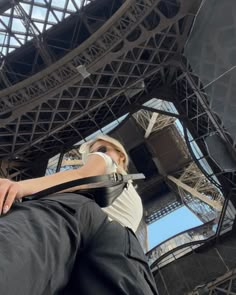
{"x": 225, "y": 285}
{"x": 69, "y": 81}
{"x": 58, "y": 106}
{"x": 22, "y": 21}
{"x": 201, "y": 125}
{"x": 35, "y": 34}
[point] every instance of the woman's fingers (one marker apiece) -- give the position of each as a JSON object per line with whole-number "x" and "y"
{"x": 4, "y": 185}
{"x": 8, "y": 192}
{"x": 11, "y": 195}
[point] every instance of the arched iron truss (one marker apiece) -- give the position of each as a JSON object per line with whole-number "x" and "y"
{"x": 81, "y": 85}
{"x": 58, "y": 107}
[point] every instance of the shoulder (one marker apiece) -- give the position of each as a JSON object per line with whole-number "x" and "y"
{"x": 108, "y": 160}
{"x": 98, "y": 164}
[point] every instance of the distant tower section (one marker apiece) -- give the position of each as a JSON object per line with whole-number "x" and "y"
{"x": 142, "y": 235}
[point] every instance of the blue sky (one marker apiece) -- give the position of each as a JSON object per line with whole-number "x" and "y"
{"x": 173, "y": 223}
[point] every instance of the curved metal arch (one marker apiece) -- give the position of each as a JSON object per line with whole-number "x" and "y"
{"x": 36, "y": 89}
{"x": 63, "y": 70}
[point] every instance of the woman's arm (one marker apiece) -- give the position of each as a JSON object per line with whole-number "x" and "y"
{"x": 9, "y": 190}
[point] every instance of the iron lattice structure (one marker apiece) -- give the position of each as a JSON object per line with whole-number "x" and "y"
{"x": 91, "y": 68}
{"x": 22, "y": 21}
{"x": 57, "y": 106}
{"x": 225, "y": 284}
{"x": 190, "y": 175}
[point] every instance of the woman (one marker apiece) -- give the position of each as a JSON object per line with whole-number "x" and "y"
{"x": 65, "y": 243}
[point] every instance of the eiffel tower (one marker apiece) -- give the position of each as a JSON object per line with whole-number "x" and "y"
{"x": 159, "y": 75}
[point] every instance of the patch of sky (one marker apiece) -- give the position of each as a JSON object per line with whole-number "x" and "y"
{"x": 160, "y": 104}
{"x": 58, "y": 3}
{"x": 58, "y": 14}
{"x": 166, "y": 227}
{"x": 39, "y": 2}
{"x": 71, "y": 6}
{"x": 26, "y": 7}
{"x": 2, "y": 38}
{"x": 39, "y": 13}
{"x": 51, "y": 18}
{"x": 18, "y": 26}
{"x": 5, "y": 20}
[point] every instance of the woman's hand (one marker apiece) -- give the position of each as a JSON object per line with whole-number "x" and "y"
{"x": 9, "y": 191}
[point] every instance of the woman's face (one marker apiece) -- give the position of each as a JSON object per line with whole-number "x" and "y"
{"x": 110, "y": 150}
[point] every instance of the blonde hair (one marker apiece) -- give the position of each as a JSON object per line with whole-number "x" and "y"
{"x": 85, "y": 148}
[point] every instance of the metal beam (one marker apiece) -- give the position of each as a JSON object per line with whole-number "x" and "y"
{"x": 195, "y": 193}
{"x": 6, "y": 4}
{"x": 151, "y": 124}
{"x": 91, "y": 54}
{"x": 208, "y": 111}
{"x": 37, "y": 40}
